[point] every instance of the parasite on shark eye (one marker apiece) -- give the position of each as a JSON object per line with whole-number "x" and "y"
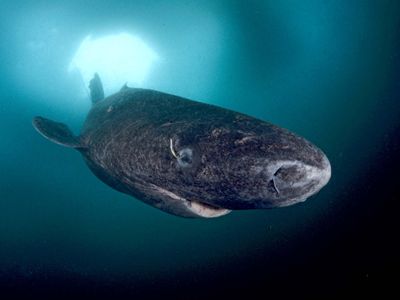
{"x": 184, "y": 156}
{"x": 171, "y": 147}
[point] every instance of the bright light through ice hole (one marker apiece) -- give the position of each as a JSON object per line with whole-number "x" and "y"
{"x": 118, "y": 59}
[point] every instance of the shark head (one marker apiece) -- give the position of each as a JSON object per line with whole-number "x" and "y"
{"x": 248, "y": 164}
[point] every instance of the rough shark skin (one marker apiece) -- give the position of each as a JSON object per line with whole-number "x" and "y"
{"x": 192, "y": 159}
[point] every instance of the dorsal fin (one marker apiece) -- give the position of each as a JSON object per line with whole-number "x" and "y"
{"x": 96, "y": 89}
{"x": 124, "y": 87}
{"x": 58, "y": 133}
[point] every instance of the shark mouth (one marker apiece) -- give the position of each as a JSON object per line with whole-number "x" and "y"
{"x": 183, "y": 207}
{"x": 205, "y": 210}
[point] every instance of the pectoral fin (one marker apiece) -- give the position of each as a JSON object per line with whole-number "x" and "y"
{"x": 58, "y": 133}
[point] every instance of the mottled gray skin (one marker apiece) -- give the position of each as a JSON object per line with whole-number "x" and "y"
{"x": 193, "y": 159}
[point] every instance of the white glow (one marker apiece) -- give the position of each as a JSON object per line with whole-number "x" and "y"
{"x": 118, "y": 59}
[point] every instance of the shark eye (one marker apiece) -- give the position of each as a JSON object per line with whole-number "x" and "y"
{"x": 185, "y": 157}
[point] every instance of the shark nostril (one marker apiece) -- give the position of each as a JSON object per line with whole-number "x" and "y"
{"x": 272, "y": 186}
{"x": 277, "y": 171}
{"x": 289, "y": 173}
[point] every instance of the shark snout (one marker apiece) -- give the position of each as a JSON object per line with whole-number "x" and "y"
{"x": 323, "y": 173}
{"x": 293, "y": 181}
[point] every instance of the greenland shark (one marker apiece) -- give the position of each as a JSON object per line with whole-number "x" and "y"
{"x": 188, "y": 158}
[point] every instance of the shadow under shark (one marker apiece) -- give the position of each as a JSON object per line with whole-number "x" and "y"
{"x": 188, "y": 158}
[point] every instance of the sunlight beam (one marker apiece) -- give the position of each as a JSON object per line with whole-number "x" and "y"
{"x": 119, "y": 59}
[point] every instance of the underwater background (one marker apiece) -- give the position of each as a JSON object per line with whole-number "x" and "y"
{"x": 327, "y": 70}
